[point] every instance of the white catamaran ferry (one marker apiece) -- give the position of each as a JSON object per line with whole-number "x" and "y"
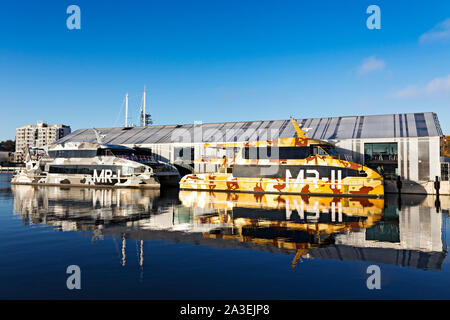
{"x": 95, "y": 165}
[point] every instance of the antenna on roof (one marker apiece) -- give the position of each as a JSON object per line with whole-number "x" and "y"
{"x": 126, "y": 110}
{"x": 145, "y": 117}
{"x": 144, "y": 113}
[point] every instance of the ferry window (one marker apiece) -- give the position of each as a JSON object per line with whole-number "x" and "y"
{"x": 85, "y": 170}
{"x": 143, "y": 151}
{"x": 321, "y": 152}
{"x": 80, "y": 169}
{"x": 72, "y": 153}
{"x": 293, "y": 152}
{"x": 276, "y": 153}
{"x": 63, "y": 169}
{"x": 121, "y": 152}
{"x": 329, "y": 150}
{"x": 104, "y": 152}
{"x": 261, "y": 171}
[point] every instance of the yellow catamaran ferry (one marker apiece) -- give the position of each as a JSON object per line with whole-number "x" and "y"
{"x": 297, "y": 165}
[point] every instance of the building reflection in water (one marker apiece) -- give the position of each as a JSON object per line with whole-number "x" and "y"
{"x": 374, "y": 230}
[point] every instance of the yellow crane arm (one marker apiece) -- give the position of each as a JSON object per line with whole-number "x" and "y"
{"x": 300, "y": 133}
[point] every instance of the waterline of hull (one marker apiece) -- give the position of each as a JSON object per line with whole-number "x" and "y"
{"x": 375, "y": 196}
{"x": 94, "y": 186}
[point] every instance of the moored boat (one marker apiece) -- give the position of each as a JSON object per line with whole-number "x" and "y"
{"x": 297, "y": 165}
{"x": 95, "y": 165}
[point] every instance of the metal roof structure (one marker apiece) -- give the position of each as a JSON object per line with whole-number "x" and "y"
{"x": 425, "y": 124}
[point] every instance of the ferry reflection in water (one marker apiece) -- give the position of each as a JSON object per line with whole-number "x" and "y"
{"x": 84, "y": 209}
{"x": 375, "y": 230}
{"x": 286, "y": 222}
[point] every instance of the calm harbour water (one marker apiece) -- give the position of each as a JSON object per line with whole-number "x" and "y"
{"x": 136, "y": 244}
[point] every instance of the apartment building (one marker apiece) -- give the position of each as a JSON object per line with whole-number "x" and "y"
{"x": 38, "y": 135}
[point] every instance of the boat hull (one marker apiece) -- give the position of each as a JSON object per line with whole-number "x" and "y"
{"x": 86, "y": 181}
{"x": 349, "y": 186}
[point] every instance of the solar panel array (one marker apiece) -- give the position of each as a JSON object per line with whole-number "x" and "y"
{"x": 334, "y": 128}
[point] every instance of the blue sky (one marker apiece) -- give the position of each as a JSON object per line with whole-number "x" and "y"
{"x": 219, "y": 60}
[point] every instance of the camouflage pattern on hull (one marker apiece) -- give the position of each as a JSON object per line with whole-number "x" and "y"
{"x": 307, "y": 181}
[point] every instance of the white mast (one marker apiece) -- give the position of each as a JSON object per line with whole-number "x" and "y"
{"x": 126, "y": 110}
{"x": 143, "y": 113}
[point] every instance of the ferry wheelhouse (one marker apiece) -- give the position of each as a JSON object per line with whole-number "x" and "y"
{"x": 297, "y": 165}
{"x": 91, "y": 164}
